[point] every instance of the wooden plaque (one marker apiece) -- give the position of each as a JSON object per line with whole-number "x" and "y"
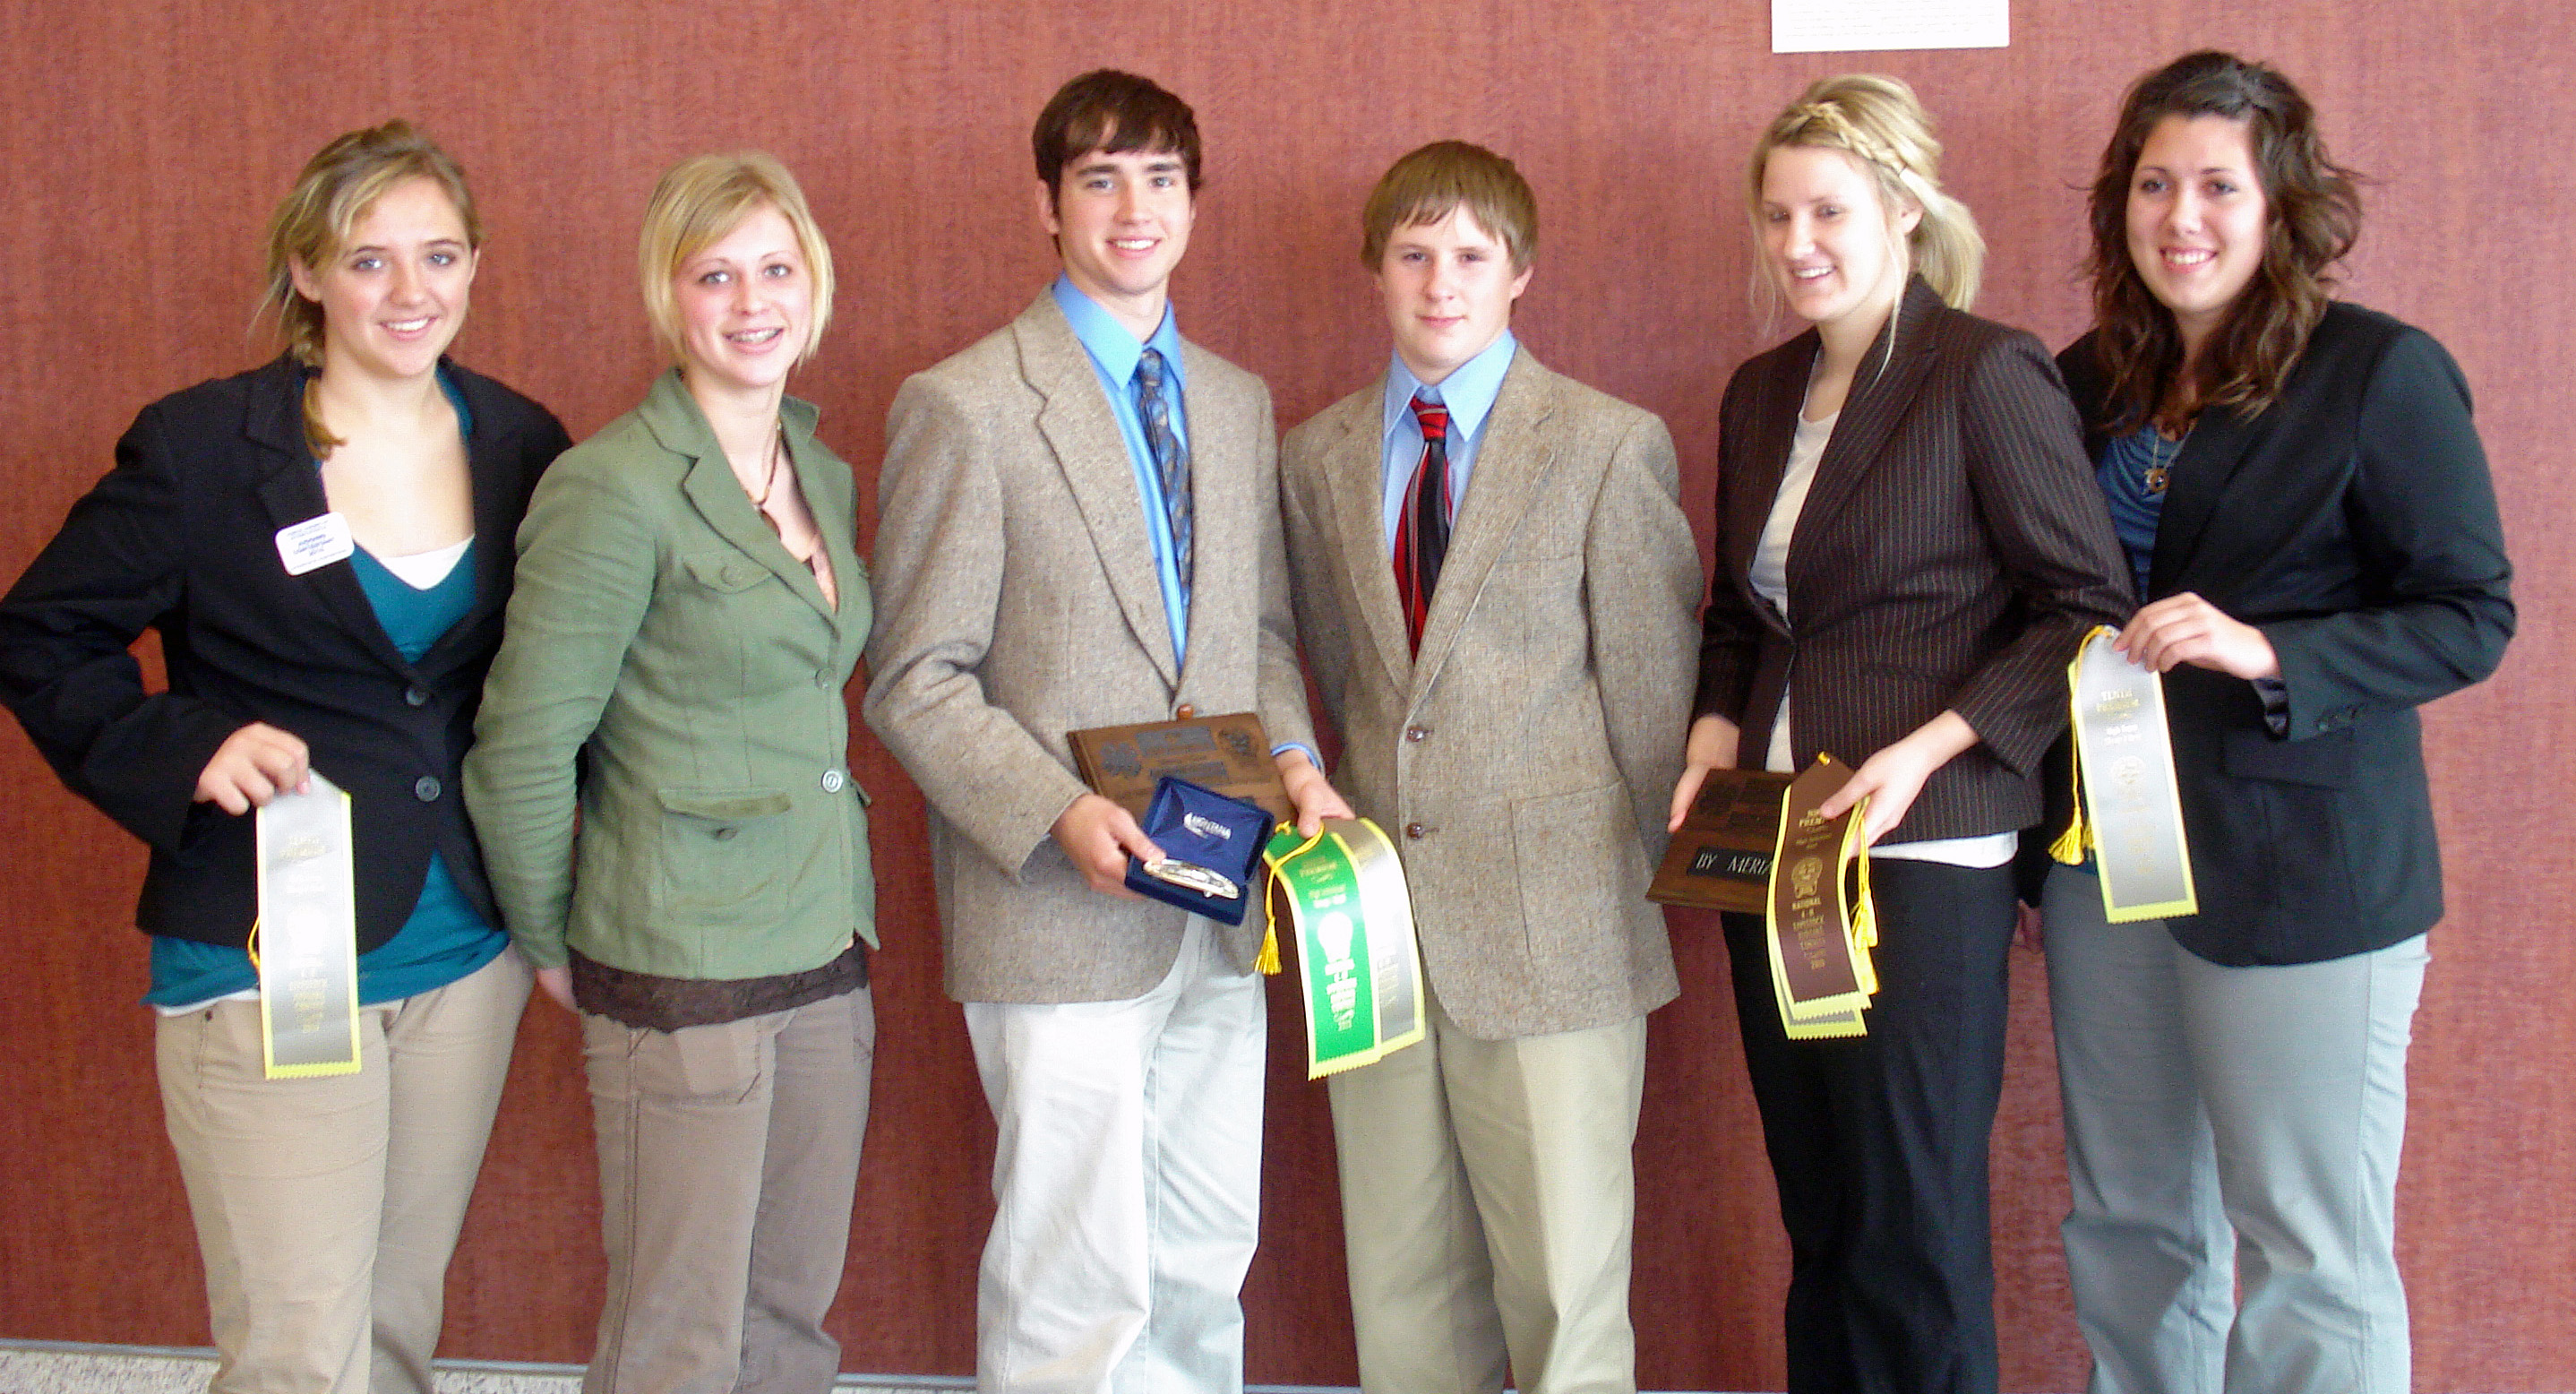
{"x": 1229, "y": 754}
{"x": 1721, "y": 858}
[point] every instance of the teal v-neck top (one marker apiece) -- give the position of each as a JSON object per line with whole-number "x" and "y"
{"x": 444, "y": 940}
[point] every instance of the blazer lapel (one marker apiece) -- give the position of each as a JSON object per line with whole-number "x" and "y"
{"x": 2202, "y": 470}
{"x": 1225, "y": 584}
{"x": 292, "y": 493}
{"x": 1354, "y": 468}
{"x": 715, "y": 492}
{"x": 831, "y": 496}
{"x": 493, "y": 468}
{"x": 1512, "y": 458}
{"x": 1758, "y": 471}
{"x": 1080, "y": 428}
{"x": 1878, "y": 399}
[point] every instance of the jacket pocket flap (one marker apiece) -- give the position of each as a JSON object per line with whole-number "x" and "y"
{"x": 726, "y": 573}
{"x": 2322, "y": 761}
{"x": 726, "y": 806}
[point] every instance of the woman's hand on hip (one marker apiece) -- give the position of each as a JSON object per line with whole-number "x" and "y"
{"x": 1711, "y": 747}
{"x": 2187, "y": 629}
{"x": 1892, "y": 778}
{"x": 254, "y": 765}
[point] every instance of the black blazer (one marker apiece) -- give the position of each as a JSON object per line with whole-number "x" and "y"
{"x": 181, "y": 537}
{"x": 2353, "y": 523}
{"x": 1952, "y": 553}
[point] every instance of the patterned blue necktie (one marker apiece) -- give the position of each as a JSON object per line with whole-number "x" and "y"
{"x": 1171, "y": 457}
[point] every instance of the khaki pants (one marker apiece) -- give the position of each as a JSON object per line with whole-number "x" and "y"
{"x": 326, "y": 1208}
{"x": 727, "y": 1159}
{"x": 1488, "y": 1204}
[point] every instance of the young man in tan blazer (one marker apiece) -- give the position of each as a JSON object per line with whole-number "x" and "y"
{"x": 1496, "y": 588}
{"x": 1080, "y": 528}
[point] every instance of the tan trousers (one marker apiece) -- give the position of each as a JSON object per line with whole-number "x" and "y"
{"x": 1488, "y": 1203}
{"x": 727, "y": 1159}
{"x": 326, "y": 1208}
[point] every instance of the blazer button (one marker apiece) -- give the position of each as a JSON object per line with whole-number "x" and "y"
{"x": 415, "y": 697}
{"x": 832, "y": 781}
{"x": 1416, "y": 831}
{"x": 1187, "y": 712}
{"x": 425, "y": 789}
{"x": 1415, "y": 733}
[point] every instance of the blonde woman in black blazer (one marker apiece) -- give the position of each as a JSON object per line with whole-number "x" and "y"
{"x": 2303, "y": 496}
{"x": 326, "y": 1207}
{"x": 1909, "y": 552}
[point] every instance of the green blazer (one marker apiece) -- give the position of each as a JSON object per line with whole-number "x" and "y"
{"x": 661, "y": 632}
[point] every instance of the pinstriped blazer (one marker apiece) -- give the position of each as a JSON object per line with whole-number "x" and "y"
{"x": 1017, "y": 601}
{"x": 1952, "y": 553}
{"x": 1524, "y": 761}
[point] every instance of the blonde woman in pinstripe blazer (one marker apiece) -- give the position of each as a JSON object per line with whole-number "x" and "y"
{"x": 1909, "y": 553}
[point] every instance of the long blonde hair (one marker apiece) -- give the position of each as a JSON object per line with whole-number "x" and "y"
{"x": 1877, "y": 121}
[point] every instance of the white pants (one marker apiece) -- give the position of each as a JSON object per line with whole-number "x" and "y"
{"x": 326, "y": 1208}
{"x": 1126, "y": 1183}
{"x": 2227, "y": 1127}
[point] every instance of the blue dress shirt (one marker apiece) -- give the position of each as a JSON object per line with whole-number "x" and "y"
{"x": 1468, "y": 392}
{"x": 1114, "y": 355}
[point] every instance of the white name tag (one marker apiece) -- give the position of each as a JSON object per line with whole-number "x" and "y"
{"x": 314, "y": 542}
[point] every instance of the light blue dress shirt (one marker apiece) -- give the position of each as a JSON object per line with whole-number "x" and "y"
{"x": 1468, "y": 392}
{"x": 1114, "y": 355}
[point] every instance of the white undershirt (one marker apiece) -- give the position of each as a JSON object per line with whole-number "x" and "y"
{"x": 422, "y": 570}
{"x": 1770, "y": 578}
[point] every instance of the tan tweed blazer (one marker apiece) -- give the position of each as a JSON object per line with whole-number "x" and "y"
{"x": 1523, "y": 763}
{"x": 1017, "y": 601}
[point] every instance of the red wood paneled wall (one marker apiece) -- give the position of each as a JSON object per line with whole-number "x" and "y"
{"x": 147, "y": 141}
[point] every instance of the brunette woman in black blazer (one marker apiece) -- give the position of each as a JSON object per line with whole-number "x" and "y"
{"x": 324, "y": 546}
{"x": 2305, "y": 503}
{"x": 1908, "y": 553}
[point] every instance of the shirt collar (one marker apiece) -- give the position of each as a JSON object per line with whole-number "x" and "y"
{"x": 1109, "y": 343}
{"x": 1468, "y": 392}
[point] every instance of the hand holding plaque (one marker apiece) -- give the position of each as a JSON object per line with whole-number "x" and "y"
{"x": 1720, "y": 857}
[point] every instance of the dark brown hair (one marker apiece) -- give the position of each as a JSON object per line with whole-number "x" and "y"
{"x": 1428, "y": 184}
{"x": 1112, "y": 112}
{"x": 2312, "y": 215}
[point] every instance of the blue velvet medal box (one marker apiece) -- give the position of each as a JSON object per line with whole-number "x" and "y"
{"x": 1210, "y": 844}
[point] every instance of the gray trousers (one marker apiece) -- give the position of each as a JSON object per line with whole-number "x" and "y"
{"x": 727, "y": 1159}
{"x": 2227, "y": 1127}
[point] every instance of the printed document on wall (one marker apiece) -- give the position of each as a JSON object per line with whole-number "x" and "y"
{"x": 1856, "y": 26}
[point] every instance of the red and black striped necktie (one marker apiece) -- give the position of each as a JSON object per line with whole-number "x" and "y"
{"x": 1422, "y": 529}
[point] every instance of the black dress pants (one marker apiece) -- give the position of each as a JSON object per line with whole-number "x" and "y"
{"x": 1878, "y": 1143}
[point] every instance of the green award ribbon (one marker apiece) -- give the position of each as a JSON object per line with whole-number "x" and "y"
{"x": 1359, "y": 971}
{"x": 306, "y": 942}
{"x": 2128, "y": 810}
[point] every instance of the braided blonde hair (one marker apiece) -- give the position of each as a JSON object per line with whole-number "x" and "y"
{"x": 1877, "y": 121}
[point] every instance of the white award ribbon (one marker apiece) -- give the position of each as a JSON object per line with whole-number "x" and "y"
{"x": 307, "y": 937}
{"x": 2129, "y": 809}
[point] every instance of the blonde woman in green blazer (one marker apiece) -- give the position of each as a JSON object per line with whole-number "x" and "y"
{"x": 689, "y": 606}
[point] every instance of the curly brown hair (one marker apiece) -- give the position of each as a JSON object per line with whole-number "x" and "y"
{"x": 2313, "y": 214}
